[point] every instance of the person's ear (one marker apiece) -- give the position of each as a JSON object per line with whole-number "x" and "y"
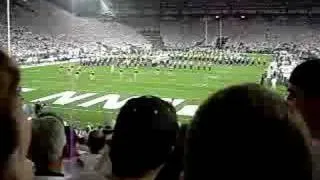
{"x": 24, "y": 129}
{"x": 297, "y": 119}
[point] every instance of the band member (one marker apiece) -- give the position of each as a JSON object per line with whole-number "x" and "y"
{"x": 92, "y": 75}
{"x": 135, "y": 74}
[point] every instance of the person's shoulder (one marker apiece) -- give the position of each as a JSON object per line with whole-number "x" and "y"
{"x": 49, "y": 178}
{"x": 315, "y": 150}
{"x": 90, "y": 175}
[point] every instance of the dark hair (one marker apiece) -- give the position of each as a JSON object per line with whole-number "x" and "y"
{"x": 144, "y": 135}
{"x": 107, "y": 130}
{"x": 306, "y": 77}
{"x": 50, "y": 114}
{"x": 96, "y": 141}
{"x": 245, "y": 129}
{"x": 174, "y": 166}
{"x": 82, "y": 140}
{"x": 8, "y": 138}
{"x": 9, "y": 80}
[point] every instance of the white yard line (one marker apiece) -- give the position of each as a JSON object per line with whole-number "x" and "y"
{"x": 57, "y": 84}
{"x": 48, "y": 64}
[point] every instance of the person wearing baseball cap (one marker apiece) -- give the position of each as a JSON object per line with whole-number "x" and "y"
{"x": 143, "y": 138}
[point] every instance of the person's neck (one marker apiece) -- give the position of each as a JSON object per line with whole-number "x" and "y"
{"x": 315, "y": 139}
{"x": 94, "y": 152}
{"x": 315, "y": 133}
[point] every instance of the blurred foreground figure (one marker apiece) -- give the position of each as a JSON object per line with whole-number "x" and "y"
{"x": 14, "y": 126}
{"x": 304, "y": 94}
{"x": 244, "y": 132}
{"x": 143, "y": 138}
{"x": 304, "y": 98}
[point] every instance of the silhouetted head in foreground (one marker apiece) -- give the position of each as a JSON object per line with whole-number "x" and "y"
{"x": 15, "y": 129}
{"x": 304, "y": 93}
{"x": 143, "y": 138}
{"x": 244, "y": 132}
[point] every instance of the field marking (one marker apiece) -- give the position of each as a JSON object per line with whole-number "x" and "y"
{"x": 92, "y": 84}
{"x": 27, "y": 89}
{"x": 213, "y": 77}
{"x": 43, "y": 64}
{"x": 115, "y": 80}
{"x": 74, "y": 88}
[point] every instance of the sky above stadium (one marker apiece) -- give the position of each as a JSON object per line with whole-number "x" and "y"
{"x": 118, "y": 7}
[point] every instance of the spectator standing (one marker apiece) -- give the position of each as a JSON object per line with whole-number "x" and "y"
{"x": 244, "y": 132}
{"x": 96, "y": 142}
{"x": 70, "y": 153}
{"x": 143, "y": 138}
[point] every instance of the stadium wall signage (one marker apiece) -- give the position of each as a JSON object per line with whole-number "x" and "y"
{"x": 111, "y": 101}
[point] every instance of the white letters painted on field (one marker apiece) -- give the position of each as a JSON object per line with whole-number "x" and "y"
{"x": 64, "y": 98}
{"x": 26, "y": 89}
{"x": 188, "y": 110}
{"x": 112, "y": 101}
{"x": 174, "y": 102}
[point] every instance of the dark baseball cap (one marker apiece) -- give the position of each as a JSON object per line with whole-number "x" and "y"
{"x": 143, "y": 137}
{"x": 147, "y": 113}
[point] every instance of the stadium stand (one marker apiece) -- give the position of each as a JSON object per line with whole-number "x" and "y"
{"x": 49, "y": 26}
{"x": 254, "y": 32}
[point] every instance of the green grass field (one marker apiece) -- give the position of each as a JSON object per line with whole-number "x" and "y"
{"x": 193, "y": 86}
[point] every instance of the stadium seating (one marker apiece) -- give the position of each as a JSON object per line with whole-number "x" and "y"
{"x": 255, "y": 32}
{"x": 49, "y": 26}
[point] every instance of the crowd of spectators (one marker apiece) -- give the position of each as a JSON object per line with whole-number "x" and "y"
{"x": 33, "y": 42}
{"x": 44, "y": 31}
{"x": 245, "y": 129}
{"x": 255, "y": 33}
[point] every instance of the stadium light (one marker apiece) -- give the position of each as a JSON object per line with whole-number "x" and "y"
{"x": 217, "y": 17}
{"x": 242, "y": 17}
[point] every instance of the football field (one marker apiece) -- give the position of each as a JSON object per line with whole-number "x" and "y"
{"x": 86, "y": 101}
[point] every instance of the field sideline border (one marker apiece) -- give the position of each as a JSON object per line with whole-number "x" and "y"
{"x": 48, "y": 64}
